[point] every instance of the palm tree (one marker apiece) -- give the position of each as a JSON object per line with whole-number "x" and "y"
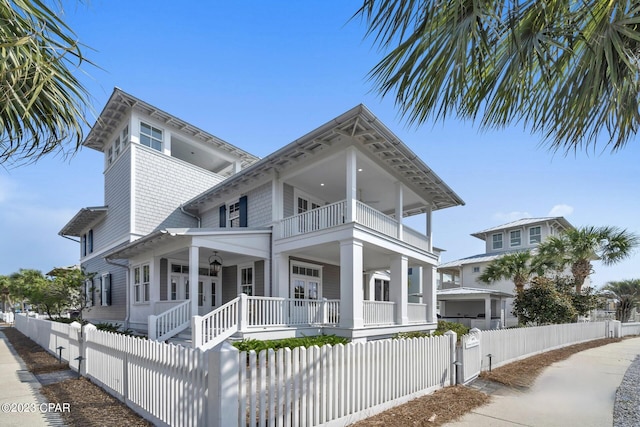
{"x": 42, "y": 102}
{"x": 517, "y": 266}
{"x": 567, "y": 70}
{"x": 627, "y": 292}
{"x": 575, "y": 249}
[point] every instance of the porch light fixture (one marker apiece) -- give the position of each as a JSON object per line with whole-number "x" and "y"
{"x": 215, "y": 264}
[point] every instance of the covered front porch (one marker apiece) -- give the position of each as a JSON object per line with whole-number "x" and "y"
{"x": 474, "y": 307}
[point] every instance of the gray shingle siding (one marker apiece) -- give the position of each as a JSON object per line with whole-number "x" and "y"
{"x": 258, "y": 275}
{"x": 287, "y": 200}
{"x": 162, "y": 185}
{"x": 259, "y": 206}
{"x": 229, "y": 283}
{"x": 117, "y": 197}
{"x": 259, "y": 210}
{"x": 118, "y": 308}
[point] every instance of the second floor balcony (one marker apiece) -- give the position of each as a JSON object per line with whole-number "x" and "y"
{"x": 335, "y": 214}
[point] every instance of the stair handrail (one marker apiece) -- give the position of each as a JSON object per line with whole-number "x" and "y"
{"x": 218, "y": 325}
{"x": 170, "y": 322}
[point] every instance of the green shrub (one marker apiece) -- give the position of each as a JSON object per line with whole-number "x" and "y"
{"x": 444, "y": 326}
{"x": 414, "y": 334}
{"x": 258, "y": 345}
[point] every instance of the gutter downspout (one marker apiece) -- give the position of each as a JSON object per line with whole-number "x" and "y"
{"x": 191, "y": 215}
{"x": 126, "y": 294}
{"x": 66, "y": 237}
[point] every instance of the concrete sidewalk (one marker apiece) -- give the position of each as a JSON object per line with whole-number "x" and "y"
{"x": 579, "y": 391}
{"x": 20, "y": 399}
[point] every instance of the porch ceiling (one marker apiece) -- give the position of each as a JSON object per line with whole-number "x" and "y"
{"x": 374, "y": 140}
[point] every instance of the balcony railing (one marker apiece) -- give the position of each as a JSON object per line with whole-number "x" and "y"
{"x": 334, "y": 215}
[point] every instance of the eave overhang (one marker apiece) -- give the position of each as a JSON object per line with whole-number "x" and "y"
{"x": 121, "y": 103}
{"x": 83, "y": 220}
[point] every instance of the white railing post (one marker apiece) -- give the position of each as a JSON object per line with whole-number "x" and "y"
{"x": 453, "y": 341}
{"x": 196, "y": 331}
{"x": 243, "y": 312}
{"x": 324, "y": 312}
{"x": 152, "y": 329}
{"x": 224, "y": 367}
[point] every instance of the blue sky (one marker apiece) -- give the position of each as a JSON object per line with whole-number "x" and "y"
{"x": 261, "y": 74}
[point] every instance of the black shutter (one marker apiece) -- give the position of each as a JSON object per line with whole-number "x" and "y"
{"x": 223, "y": 216}
{"x": 106, "y": 289}
{"x": 243, "y": 211}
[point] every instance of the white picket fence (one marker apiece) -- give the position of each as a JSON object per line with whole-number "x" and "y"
{"x": 340, "y": 384}
{"x": 329, "y": 385}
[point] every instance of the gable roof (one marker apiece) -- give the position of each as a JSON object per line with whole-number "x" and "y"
{"x": 558, "y": 220}
{"x": 362, "y": 127}
{"x": 120, "y": 103}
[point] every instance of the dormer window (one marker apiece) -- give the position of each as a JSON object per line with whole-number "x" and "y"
{"x": 150, "y": 136}
{"x": 496, "y": 240}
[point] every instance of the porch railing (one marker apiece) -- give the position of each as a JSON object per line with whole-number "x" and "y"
{"x": 417, "y": 313}
{"x": 376, "y": 220}
{"x": 314, "y": 220}
{"x": 218, "y": 325}
{"x": 274, "y": 311}
{"x": 379, "y": 313}
{"x": 335, "y": 214}
{"x": 170, "y": 322}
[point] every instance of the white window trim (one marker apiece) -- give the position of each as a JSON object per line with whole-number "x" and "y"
{"x": 511, "y": 245}
{"x": 153, "y": 126}
{"x": 540, "y": 235}
{"x": 228, "y": 205}
{"x": 253, "y": 276}
{"x": 141, "y": 290}
{"x": 302, "y": 276}
{"x": 493, "y": 243}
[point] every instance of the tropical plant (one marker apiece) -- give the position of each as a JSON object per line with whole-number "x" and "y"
{"x": 627, "y": 294}
{"x": 575, "y": 248}
{"x": 43, "y": 102}
{"x": 543, "y": 303}
{"x": 518, "y": 267}
{"x": 567, "y": 70}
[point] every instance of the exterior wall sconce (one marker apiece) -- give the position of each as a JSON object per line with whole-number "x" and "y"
{"x": 215, "y": 264}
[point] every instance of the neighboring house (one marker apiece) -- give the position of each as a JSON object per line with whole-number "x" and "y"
{"x": 197, "y": 233}
{"x": 465, "y": 299}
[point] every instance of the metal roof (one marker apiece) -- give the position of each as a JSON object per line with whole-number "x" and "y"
{"x": 365, "y": 130}
{"x": 474, "y": 259}
{"x": 84, "y": 219}
{"x": 564, "y": 224}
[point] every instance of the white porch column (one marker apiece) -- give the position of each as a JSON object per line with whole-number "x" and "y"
{"x": 281, "y": 275}
{"x": 194, "y": 264}
{"x": 399, "y": 202}
{"x": 267, "y": 278}
{"x": 154, "y": 286}
{"x": 487, "y": 312}
{"x": 429, "y": 292}
{"x": 503, "y": 308}
{"x": 398, "y": 289}
{"x": 352, "y": 184}
{"x": 371, "y": 282}
{"x": 428, "y": 228}
{"x": 276, "y": 199}
{"x": 351, "y": 284}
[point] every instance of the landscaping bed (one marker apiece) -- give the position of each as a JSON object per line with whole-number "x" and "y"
{"x": 89, "y": 404}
